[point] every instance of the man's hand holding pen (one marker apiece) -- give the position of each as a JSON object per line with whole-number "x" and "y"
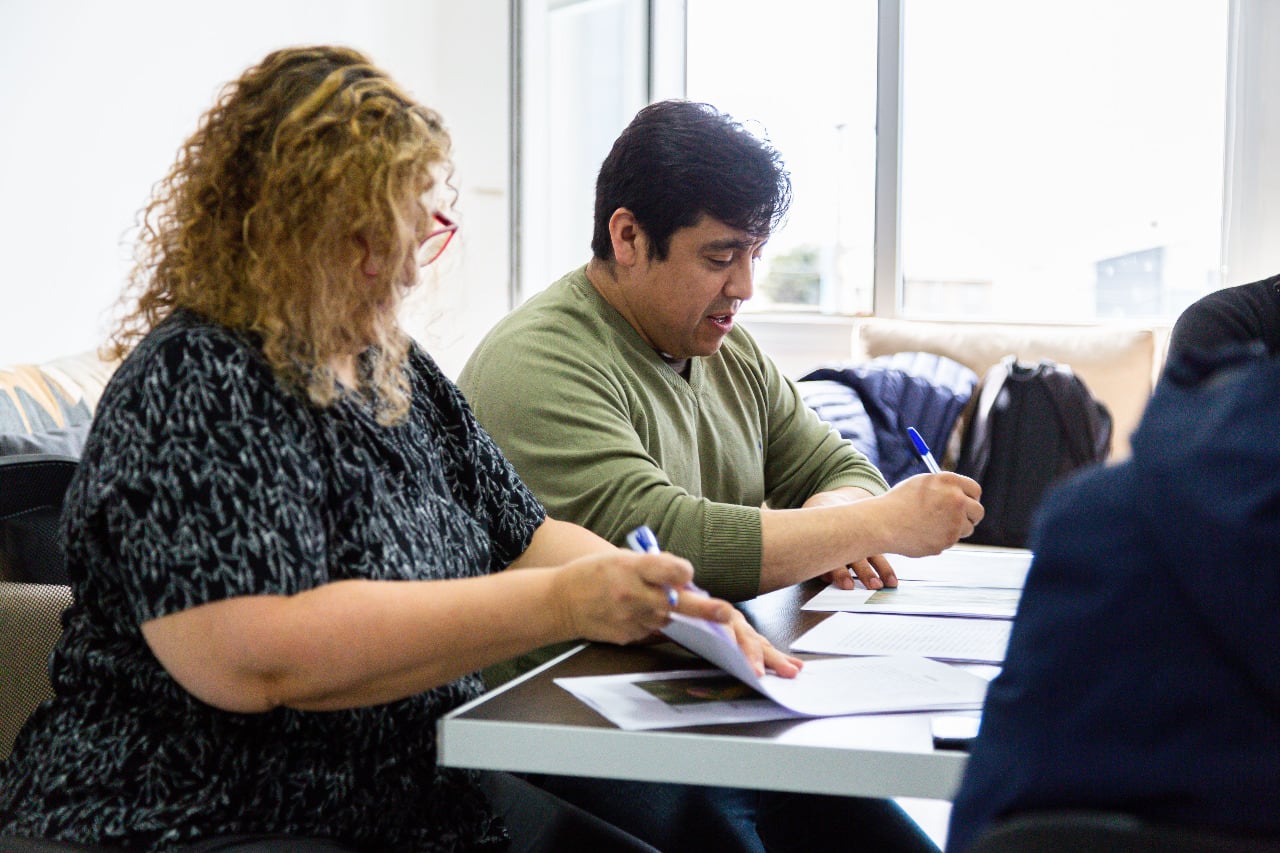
{"x": 920, "y": 516}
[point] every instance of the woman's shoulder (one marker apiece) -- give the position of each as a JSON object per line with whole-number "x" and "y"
{"x": 187, "y": 359}
{"x": 185, "y": 345}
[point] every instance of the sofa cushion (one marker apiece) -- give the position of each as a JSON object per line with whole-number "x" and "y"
{"x": 1117, "y": 363}
{"x": 86, "y": 372}
{"x": 30, "y": 401}
{"x": 54, "y": 395}
{"x": 67, "y": 441}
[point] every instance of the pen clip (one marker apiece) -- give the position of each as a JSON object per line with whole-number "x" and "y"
{"x": 642, "y": 539}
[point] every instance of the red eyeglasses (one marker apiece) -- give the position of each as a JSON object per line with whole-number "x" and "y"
{"x": 435, "y": 242}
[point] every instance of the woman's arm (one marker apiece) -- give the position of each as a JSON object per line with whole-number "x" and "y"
{"x": 559, "y": 541}
{"x": 354, "y": 643}
{"x": 361, "y": 642}
{"x": 555, "y": 543}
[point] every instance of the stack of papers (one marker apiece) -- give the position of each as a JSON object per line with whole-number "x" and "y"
{"x": 831, "y": 687}
{"x": 922, "y": 598}
{"x": 956, "y": 640}
{"x": 999, "y": 568}
{"x": 957, "y": 582}
{"x": 956, "y": 606}
{"x": 893, "y": 641}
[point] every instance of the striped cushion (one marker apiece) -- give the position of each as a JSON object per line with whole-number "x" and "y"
{"x": 52, "y": 396}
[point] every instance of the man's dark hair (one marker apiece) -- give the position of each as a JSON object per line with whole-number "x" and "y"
{"x": 679, "y": 160}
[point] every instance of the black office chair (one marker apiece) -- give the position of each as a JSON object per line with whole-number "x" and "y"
{"x": 33, "y": 582}
{"x": 1070, "y": 831}
{"x": 32, "y": 487}
{"x": 33, "y": 594}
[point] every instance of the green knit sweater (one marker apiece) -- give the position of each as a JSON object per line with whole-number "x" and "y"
{"x": 609, "y": 436}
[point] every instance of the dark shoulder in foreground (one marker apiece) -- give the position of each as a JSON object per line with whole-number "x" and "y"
{"x": 1233, "y": 315}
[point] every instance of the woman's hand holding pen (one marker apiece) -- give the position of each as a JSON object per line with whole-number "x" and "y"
{"x": 623, "y": 596}
{"x": 759, "y": 652}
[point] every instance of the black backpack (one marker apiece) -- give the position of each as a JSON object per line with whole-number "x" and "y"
{"x": 1032, "y": 424}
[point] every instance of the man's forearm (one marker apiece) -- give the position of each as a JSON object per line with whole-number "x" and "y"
{"x": 841, "y": 495}
{"x": 827, "y": 533}
{"x": 921, "y": 515}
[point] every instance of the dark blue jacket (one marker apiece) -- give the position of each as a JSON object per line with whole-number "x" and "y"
{"x": 1143, "y": 671}
{"x": 890, "y": 393}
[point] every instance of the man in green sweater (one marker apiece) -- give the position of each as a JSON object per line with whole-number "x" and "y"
{"x": 625, "y": 394}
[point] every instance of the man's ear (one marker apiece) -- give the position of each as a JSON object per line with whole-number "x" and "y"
{"x": 629, "y": 240}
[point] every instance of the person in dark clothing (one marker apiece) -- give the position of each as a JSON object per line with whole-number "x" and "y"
{"x": 1233, "y": 315}
{"x": 1143, "y": 670}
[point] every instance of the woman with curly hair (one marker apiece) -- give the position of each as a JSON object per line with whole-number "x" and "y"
{"x": 284, "y": 535}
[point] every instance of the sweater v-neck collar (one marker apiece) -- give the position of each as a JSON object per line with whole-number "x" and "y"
{"x": 691, "y": 377}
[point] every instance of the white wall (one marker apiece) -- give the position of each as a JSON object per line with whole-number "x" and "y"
{"x": 473, "y": 74}
{"x": 98, "y": 96}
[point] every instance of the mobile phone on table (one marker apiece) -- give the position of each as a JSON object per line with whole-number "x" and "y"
{"x": 955, "y": 731}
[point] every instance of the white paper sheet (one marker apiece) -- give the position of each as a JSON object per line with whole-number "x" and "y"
{"x": 1005, "y": 569}
{"x": 832, "y": 687}
{"x": 958, "y": 640}
{"x": 662, "y": 700}
{"x": 921, "y": 598}
{"x": 712, "y": 642}
{"x": 825, "y": 687}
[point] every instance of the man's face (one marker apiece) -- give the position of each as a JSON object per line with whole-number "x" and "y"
{"x": 684, "y": 306}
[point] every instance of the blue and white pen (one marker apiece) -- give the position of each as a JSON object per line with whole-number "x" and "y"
{"x": 642, "y": 539}
{"x": 923, "y": 450}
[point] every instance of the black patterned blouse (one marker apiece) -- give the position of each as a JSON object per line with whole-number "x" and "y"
{"x": 203, "y": 479}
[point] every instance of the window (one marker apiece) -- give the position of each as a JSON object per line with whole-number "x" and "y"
{"x": 805, "y": 73}
{"x": 583, "y": 75}
{"x": 1059, "y": 161}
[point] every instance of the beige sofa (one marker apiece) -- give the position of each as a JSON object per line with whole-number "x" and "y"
{"x": 1119, "y": 364}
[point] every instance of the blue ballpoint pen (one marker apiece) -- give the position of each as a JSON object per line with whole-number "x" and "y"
{"x": 642, "y": 539}
{"x": 923, "y": 450}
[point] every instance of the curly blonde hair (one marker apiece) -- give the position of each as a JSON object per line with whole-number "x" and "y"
{"x": 307, "y": 166}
